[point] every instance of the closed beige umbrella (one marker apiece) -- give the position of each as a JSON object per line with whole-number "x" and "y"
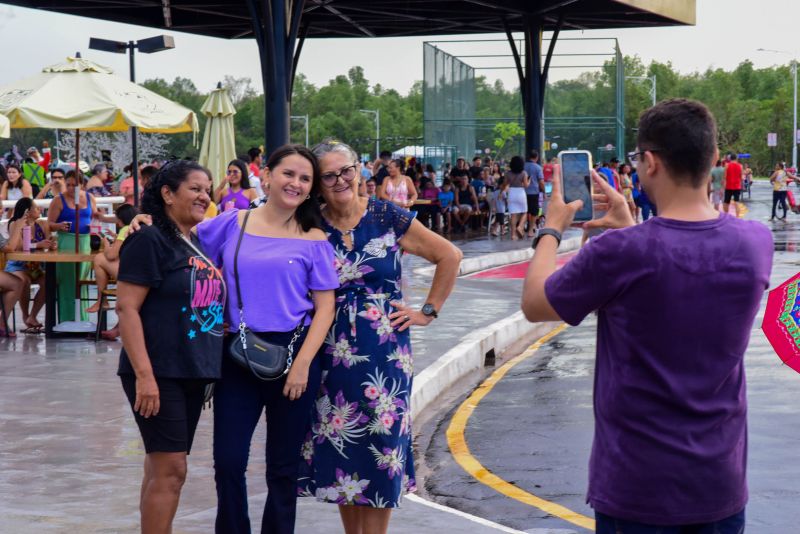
{"x": 219, "y": 139}
{"x": 5, "y": 127}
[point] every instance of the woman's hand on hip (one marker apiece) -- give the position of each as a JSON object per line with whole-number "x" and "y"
{"x": 296, "y": 380}
{"x": 147, "y": 398}
{"x": 405, "y": 316}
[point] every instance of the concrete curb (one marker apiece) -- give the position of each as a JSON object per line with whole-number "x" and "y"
{"x": 497, "y": 259}
{"x": 470, "y": 355}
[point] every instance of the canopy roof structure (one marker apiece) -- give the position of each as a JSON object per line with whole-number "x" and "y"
{"x": 231, "y": 19}
{"x": 281, "y": 26}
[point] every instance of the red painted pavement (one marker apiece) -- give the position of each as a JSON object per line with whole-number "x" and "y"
{"x": 517, "y": 270}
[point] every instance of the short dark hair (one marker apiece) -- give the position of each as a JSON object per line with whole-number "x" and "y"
{"x": 734, "y": 156}
{"x": 516, "y": 165}
{"x": 476, "y": 158}
{"x": 253, "y": 153}
{"x": 683, "y": 133}
{"x": 126, "y": 213}
{"x": 385, "y": 154}
{"x": 534, "y": 154}
{"x": 148, "y": 172}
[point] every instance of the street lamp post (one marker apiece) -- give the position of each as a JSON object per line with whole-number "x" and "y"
{"x": 305, "y": 118}
{"x": 145, "y": 46}
{"x": 794, "y": 121}
{"x": 794, "y": 105}
{"x": 652, "y": 80}
{"x": 377, "y": 114}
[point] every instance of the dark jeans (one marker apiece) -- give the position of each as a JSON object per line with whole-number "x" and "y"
{"x": 239, "y": 401}
{"x": 609, "y": 525}
{"x": 779, "y": 197}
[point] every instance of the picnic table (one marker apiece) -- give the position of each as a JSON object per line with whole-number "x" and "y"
{"x": 50, "y": 258}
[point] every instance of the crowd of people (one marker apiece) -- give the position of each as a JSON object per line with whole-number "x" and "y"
{"x": 299, "y": 257}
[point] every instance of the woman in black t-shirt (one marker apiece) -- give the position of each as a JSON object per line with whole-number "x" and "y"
{"x": 170, "y": 302}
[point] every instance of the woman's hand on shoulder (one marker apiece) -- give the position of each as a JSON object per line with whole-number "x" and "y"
{"x": 139, "y": 221}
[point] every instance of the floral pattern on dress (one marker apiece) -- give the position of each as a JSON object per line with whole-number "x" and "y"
{"x": 358, "y": 450}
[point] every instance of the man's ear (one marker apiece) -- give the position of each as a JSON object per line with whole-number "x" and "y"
{"x": 653, "y": 163}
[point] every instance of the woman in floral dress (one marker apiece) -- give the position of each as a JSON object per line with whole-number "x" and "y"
{"x": 358, "y": 452}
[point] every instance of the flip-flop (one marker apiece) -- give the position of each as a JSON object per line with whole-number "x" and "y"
{"x": 32, "y": 330}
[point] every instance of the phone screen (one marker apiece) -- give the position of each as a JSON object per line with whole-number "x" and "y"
{"x": 577, "y": 181}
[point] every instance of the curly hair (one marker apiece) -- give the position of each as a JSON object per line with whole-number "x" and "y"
{"x": 172, "y": 175}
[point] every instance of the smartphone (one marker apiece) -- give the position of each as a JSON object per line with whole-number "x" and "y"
{"x": 576, "y": 180}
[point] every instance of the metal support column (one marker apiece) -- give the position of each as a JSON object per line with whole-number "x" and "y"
{"x": 620, "y": 101}
{"x": 533, "y": 92}
{"x": 533, "y": 78}
{"x": 134, "y": 132}
{"x": 277, "y": 39}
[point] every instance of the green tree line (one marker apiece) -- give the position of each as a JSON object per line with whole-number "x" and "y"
{"x": 747, "y": 102}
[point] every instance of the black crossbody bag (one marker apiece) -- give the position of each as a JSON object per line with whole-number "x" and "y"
{"x": 266, "y": 361}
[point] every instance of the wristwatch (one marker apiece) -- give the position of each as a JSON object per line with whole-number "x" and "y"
{"x": 546, "y": 231}
{"x": 429, "y": 311}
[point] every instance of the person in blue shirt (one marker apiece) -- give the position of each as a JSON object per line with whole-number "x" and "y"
{"x": 447, "y": 199}
{"x": 641, "y": 199}
{"x": 608, "y": 174}
{"x": 535, "y": 187}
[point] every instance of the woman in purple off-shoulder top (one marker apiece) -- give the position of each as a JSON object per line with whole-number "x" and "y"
{"x": 287, "y": 278}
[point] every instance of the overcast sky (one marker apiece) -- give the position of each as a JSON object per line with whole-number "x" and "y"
{"x": 727, "y": 33}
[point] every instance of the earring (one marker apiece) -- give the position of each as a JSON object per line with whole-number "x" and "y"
{"x": 308, "y": 196}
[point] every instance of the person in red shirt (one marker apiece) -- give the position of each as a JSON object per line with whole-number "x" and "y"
{"x": 733, "y": 185}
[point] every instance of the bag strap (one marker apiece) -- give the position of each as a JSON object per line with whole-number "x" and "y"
{"x": 236, "y": 271}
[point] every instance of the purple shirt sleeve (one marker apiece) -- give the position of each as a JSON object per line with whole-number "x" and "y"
{"x": 590, "y": 280}
{"x": 215, "y": 232}
{"x": 322, "y": 274}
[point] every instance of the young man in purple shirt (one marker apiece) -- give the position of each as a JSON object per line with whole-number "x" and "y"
{"x": 676, "y": 297}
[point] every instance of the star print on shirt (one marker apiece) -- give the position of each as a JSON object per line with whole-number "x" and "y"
{"x": 192, "y": 318}
{"x": 192, "y": 334}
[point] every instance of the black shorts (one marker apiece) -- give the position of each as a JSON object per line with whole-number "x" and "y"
{"x": 732, "y": 194}
{"x": 533, "y": 204}
{"x": 172, "y": 430}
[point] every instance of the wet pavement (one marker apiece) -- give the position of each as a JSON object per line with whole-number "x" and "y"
{"x": 534, "y": 429}
{"x": 71, "y": 456}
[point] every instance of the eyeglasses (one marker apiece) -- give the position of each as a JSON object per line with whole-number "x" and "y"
{"x": 637, "y": 156}
{"x": 234, "y": 171}
{"x": 348, "y": 174}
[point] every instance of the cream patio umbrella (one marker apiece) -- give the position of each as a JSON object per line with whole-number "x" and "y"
{"x": 5, "y": 127}
{"x": 82, "y": 95}
{"x": 219, "y": 139}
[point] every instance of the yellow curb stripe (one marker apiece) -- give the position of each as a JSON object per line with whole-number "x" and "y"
{"x": 460, "y": 450}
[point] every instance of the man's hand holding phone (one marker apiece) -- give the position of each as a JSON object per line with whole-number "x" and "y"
{"x": 559, "y": 215}
{"x": 611, "y": 201}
